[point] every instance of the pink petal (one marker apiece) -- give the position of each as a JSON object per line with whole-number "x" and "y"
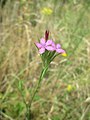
{"x": 49, "y": 42}
{"x": 53, "y": 44}
{"x": 42, "y": 50}
{"x": 58, "y": 46}
{"x": 60, "y": 51}
{"x": 50, "y": 48}
{"x": 42, "y": 41}
{"x": 38, "y": 45}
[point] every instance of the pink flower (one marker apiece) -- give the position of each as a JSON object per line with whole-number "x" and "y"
{"x": 45, "y": 45}
{"x": 59, "y": 49}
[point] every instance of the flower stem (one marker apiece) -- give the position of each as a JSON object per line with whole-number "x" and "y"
{"x": 43, "y": 72}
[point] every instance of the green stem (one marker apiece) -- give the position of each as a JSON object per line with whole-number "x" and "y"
{"x": 44, "y": 70}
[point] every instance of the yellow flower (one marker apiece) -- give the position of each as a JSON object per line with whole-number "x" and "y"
{"x": 69, "y": 88}
{"x": 46, "y": 11}
{"x": 64, "y": 54}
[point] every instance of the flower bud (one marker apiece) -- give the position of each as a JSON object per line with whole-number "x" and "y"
{"x": 46, "y": 35}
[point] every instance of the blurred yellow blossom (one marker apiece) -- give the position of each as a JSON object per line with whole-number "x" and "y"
{"x": 47, "y": 11}
{"x": 64, "y": 54}
{"x": 69, "y": 88}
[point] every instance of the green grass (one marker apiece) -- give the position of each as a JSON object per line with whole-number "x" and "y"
{"x": 20, "y": 64}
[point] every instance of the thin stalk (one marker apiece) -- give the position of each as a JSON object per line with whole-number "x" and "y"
{"x": 38, "y": 85}
{"x": 28, "y": 115}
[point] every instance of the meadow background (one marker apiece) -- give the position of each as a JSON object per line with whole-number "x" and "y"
{"x": 65, "y": 91}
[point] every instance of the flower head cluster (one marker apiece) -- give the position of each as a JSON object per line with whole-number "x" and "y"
{"x": 49, "y": 45}
{"x": 48, "y": 49}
